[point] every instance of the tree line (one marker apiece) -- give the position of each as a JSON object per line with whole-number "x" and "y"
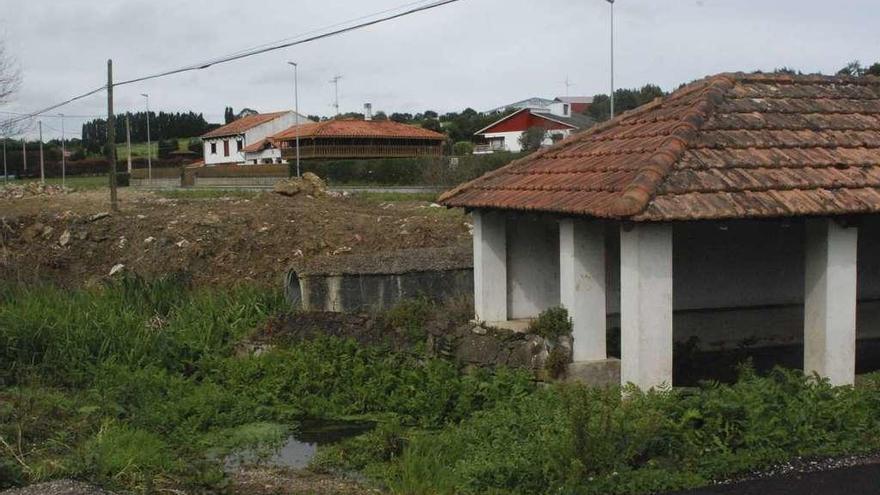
{"x": 163, "y": 125}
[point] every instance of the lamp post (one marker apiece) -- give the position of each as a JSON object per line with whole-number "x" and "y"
{"x": 149, "y": 143}
{"x": 612, "y": 56}
{"x": 296, "y": 111}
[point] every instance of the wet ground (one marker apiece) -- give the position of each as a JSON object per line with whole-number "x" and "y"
{"x": 300, "y": 447}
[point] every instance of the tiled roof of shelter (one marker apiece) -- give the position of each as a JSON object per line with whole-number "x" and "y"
{"x": 729, "y": 146}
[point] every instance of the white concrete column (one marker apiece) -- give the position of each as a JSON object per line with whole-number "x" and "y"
{"x": 490, "y": 266}
{"x": 646, "y": 305}
{"x": 830, "y": 301}
{"x": 582, "y": 285}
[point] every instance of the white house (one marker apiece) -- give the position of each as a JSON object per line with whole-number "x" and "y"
{"x": 741, "y": 207}
{"x": 227, "y": 144}
{"x": 558, "y": 120}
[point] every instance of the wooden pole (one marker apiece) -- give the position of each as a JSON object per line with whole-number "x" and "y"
{"x": 42, "y": 164}
{"x": 111, "y": 136}
{"x": 24, "y": 156}
{"x": 128, "y": 139}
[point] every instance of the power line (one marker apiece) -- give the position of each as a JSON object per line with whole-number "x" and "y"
{"x": 259, "y": 51}
{"x": 245, "y": 54}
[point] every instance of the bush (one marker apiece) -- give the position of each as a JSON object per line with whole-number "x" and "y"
{"x": 551, "y": 324}
{"x": 166, "y": 147}
{"x": 462, "y": 148}
{"x": 573, "y": 439}
{"x": 195, "y": 145}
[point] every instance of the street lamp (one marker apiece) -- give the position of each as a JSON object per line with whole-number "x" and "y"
{"x": 149, "y": 143}
{"x": 612, "y": 56}
{"x": 296, "y": 110}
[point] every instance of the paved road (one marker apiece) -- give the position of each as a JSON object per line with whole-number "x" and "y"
{"x": 859, "y": 480}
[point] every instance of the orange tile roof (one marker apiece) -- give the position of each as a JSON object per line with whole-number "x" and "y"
{"x": 729, "y": 146}
{"x": 351, "y": 128}
{"x": 243, "y": 124}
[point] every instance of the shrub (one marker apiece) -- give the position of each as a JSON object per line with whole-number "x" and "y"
{"x": 551, "y": 324}
{"x": 462, "y": 148}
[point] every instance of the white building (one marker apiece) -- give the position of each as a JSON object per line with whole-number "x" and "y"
{"x": 226, "y": 145}
{"x": 737, "y": 208}
{"x": 558, "y": 120}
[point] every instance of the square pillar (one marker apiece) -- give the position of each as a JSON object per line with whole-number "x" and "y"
{"x": 490, "y": 266}
{"x": 646, "y": 305}
{"x": 582, "y": 285}
{"x": 830, "y": 301}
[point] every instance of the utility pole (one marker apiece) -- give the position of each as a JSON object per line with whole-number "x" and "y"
{"x": 568, "y": 85}
{"x": 63, "y": 152}
{"x": 128, "y": 139}
{"x": 5, "y": 172}
{"x": 111, "y": 136}
{"x": 149, "y": 144}
{"x": 24, "y": 156}
{"x": 42, "y": 165}
{"x": 612, "y": 56}
{"x": 335, "y": 83}
{"x": 296, "y": 110}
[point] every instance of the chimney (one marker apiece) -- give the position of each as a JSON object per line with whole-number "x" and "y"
{"x": 368, "y": 111}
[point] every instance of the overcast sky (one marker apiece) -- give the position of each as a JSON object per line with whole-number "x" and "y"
{"x": 473, "y": 53}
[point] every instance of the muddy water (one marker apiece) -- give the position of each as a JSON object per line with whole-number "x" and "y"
{"x": 300, "y": 447}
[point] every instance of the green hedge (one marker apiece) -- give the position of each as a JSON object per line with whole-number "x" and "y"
{"x": 439, "y": 172}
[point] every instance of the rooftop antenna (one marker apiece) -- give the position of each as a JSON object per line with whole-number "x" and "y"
{"x": 568, "y": 85}
{"x": 335, "y": 83}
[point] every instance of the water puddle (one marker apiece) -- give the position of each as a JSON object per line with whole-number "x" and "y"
{"x": 298, "y": 449}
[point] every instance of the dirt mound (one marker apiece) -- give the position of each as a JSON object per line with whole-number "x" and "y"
{"x": 309, "y": 184}
{"x": 72, "y": 239}
{"x": 18, "y": 191}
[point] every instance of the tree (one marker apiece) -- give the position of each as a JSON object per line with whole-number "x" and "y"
{"x": 432, "y": 125}
{"x": 853, "y": 68}
{"x": 10, "y": 81}
{"x": 533, "y": 138}
{"x": 380, "y": 115}
{"x": 228, "y": 115}
{"x": 624, "y": 99}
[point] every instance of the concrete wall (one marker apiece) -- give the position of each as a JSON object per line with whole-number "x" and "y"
{"x": 532, "y": 265}
{"x": 338, "y": 293}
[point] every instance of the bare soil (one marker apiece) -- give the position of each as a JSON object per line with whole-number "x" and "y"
{"x": 71, "y": 239}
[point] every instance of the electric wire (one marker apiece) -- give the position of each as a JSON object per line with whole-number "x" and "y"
{"x": 258, "y": 50}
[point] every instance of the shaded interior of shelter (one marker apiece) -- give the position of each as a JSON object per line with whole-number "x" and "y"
{"x": 738, "y": 290}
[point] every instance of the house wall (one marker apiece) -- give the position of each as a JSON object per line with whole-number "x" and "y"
{"x": 218, "y": 158}
{"x": 744, "y": 281}
{"x": 250, "y": 136}
{"x": 733, "y": 282}
{"x": 511, "y": 139}
{"x": 257, "y": 158}
{"x": 532, "y": 265}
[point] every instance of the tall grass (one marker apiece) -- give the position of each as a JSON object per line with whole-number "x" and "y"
{"x": 61, "y": 336}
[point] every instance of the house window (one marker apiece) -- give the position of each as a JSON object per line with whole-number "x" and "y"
{"x": 213, "y": 148}
{"x": 225, "y": 147}
{"x": 239, "y": 144}
{"x": 565, "y": 109}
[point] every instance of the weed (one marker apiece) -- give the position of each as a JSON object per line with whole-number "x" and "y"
{"x": 551, "y": 324}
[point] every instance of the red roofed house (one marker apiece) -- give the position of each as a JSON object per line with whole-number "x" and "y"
{"x": 504, "y": 135}
{"x": 350, "y": 138}
{"x": 227, "y": 144}
{"x": 740, "y": 208}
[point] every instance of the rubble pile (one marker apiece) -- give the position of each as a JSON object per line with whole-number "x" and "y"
{"x": 309, "y": 184}
{"x": 18, "y": 191}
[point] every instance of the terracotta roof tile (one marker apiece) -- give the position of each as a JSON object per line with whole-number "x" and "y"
{"x": 350, "y": 128}
{"x": 243, "y": 124}
{"x": 729, "y": 146}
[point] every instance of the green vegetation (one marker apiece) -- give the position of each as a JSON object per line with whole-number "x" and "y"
{"x": 551, "y": 324}
{"x": 82, "y": 183}
{"x": 572, "y": 439}
{"x": 136, "y": 384}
